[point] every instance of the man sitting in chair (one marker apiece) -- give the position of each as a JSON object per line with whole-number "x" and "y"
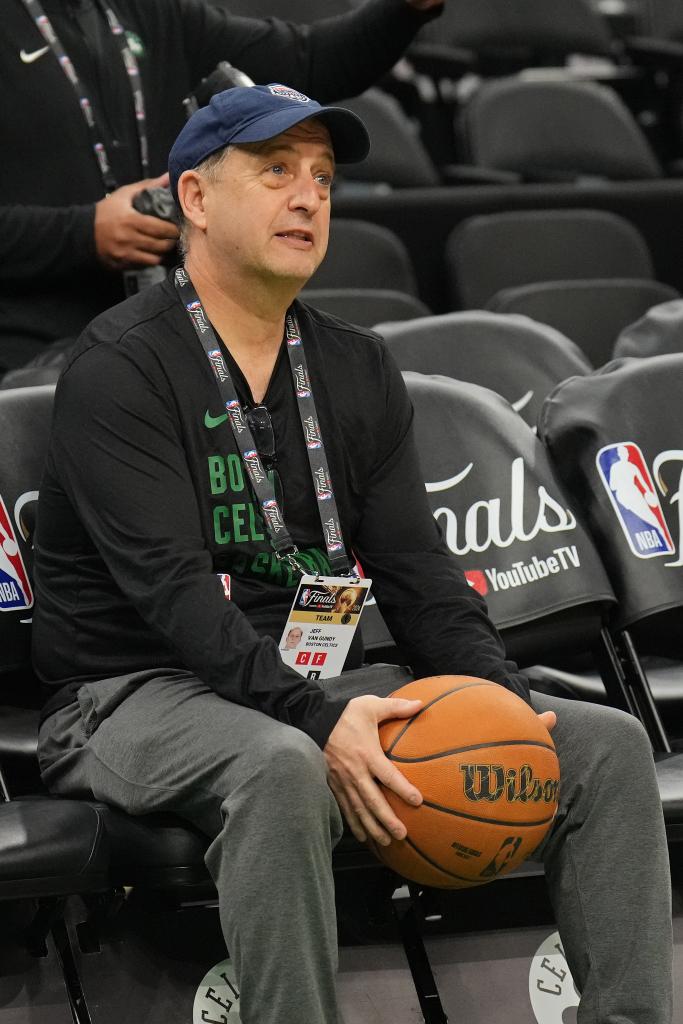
{"x": 214, "y": 439}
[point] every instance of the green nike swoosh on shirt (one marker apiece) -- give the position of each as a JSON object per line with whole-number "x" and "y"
{"x": 213, "y": 421}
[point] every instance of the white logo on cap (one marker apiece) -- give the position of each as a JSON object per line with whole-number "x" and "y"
{"x": 288, "y": 94}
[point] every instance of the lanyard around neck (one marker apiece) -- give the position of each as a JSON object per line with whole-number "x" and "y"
{"x": 44, "y": 26}
{"x": 280, "y": 538}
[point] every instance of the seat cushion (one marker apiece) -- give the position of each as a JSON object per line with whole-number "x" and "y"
{"x": 158, "y": 850}
{"x": 51, "y": 847}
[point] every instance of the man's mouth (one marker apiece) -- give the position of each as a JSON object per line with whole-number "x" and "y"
{"x": 299, "y": 236}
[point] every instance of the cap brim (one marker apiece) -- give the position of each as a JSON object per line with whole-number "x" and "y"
{"x": 350, "y": 140}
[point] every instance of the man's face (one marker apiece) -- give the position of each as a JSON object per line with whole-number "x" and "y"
{"x": 268, "y": 209}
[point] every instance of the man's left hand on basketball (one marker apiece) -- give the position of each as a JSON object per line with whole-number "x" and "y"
{"x": 356, "y": 764}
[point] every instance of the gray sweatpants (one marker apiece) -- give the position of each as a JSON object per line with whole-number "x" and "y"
{"x": 164, "y": 741}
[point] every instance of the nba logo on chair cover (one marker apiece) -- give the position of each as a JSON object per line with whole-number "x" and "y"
{"x": 15, "y": 589}
{"x": 627, "y": 480}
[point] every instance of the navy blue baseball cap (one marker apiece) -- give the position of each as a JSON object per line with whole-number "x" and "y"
{"x": 254, "y": 114}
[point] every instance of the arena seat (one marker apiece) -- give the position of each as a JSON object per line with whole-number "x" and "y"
{"x": 659, "y": 332}
{"x": 591, "y": 313}
{"x": 519, "y": 33}
{"x": 518, "y": 538}
{"x": 555, "y": 131}
{"x": 615, "y": 440}
{"x": 488, "y": 253}
{"x": 520, "y": 359}
{"x": 397, "y": 157}
{"x": 365, "y": 306}
{"x": 51, "y": 847}
{"x": 365, "y": 255}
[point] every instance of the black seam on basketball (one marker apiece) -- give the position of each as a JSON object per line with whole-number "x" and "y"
{"x": 434, "y": 864}
{"x": 474, "y": 746}
{"x": 486, "y": 821}
{"x": 446, "y": 693}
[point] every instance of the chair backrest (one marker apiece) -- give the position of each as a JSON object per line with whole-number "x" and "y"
{"x": 520, "y": 359}
{"x": 616, "y": 439}
{"x": 556, "y": 131}
{"x": 365, "y": 255}
{"x": 529, "y": 27}
{"x": 299, "y": 11}
{"x": 398, "y": 156}
{"x": 504, "y": 250}
{"x": 365, "y": 306}
{"x": 25, "y": 417}
{"x": 505, "y": 516}
{"x": 591, "y": 313}
{"x": 657, "y": 333}
{"x": 664, "y": 19}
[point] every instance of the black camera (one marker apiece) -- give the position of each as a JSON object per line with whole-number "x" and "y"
{"x": 156, "y": 202}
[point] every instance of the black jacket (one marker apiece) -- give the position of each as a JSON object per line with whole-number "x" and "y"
{"x": 135, "y": 524}
{"x": 51, "y": 284}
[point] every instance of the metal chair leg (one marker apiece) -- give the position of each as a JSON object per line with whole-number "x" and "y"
{"x": 404, "y": 903}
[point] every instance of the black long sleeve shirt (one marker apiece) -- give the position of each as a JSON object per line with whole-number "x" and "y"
{"x": 144, "y": 502}
{"x": 51, "y": 283}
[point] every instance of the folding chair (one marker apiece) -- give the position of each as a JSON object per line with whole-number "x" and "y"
{"x": 520, "y": 359}
{"x": 615, "y": 440}
{"x": 659, "y": 332}
{"x": 143, "y": 888}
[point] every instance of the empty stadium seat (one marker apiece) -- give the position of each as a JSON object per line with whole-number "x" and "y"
{"x": 365, "y": 255}
{"x": 615, "y": 439}
{"x": 591, "y": 313}
{"x": 658, "y": 332}
{"x": 365, "y": 306}
{"x": 299, "y": 11}
{"x": 555, "y": 131}
{"x": 518, "y": 33}
{"x": 520, "y": 359}
{"x": 487, "y": 253}
{"x": 397, "y": 157}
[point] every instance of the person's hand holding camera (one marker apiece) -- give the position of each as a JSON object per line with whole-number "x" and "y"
{"x": 125, "y": 238}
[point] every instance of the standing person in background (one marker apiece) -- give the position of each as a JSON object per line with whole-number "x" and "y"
{"x": 93, "y": 95}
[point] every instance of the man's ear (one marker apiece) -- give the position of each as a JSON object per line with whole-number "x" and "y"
{"x": 191, "y": 192}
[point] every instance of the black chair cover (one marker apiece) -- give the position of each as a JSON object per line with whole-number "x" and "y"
{"x": 520, "y": 359}
{"x": 24, "y": 413}
{"x": 365, "y": 306}
{"x": 658, "y": 332}
{"x": 616, "y": 439}
{"x": 505, "y": 517}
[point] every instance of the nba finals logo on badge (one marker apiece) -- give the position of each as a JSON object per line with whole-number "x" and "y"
{"x": 15, "y": 589}
{"x": 629, "y": 485}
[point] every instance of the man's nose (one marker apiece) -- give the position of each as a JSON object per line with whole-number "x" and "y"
{"x": 305, "y": 195}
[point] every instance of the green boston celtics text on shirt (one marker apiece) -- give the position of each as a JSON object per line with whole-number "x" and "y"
{"x": 238, "y": 521}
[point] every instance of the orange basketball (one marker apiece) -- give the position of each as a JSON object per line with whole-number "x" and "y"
{"x": 489, "y": 776}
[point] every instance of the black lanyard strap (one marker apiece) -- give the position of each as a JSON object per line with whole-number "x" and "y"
{"x": 44, "y": 26}
{"x": 280, "y": 538}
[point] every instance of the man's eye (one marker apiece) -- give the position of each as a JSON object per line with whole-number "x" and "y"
{"x": 324, "y": 179}
{"x": 278, "y": 169}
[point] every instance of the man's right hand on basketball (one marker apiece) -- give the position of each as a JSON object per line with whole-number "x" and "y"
{"x": 126, "y": 238}
{"x": 356, "y": 764}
